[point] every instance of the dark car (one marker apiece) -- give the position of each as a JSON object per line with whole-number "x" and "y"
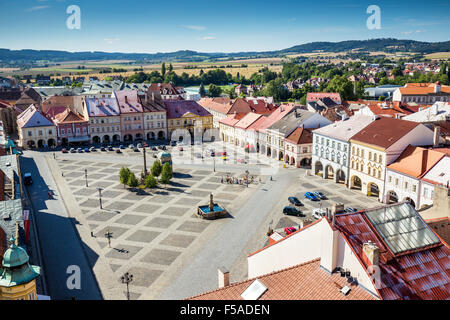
{"x": 121, "y": 147}
{"x": 87, "y": 150}
{"x": 294, "y": 201}
{"x": 291, "y": 211}
{"x": 311, "y": 196}
{"x": 319, "y": 195}
{"x": 110, "y": 148}
{"x": 102, "y": 149}
{"x": 27, "y": 180}
{"x": 173, "y": 143}
{"x": 136, "y": 149}
{"x": 154, "y": 149}
{"x": 79, "y": 150}
{"x": 118, "y": 151}
{"x": 163, "y": 148}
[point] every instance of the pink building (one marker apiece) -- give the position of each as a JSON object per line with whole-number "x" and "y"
{"x": 131, "y": 115}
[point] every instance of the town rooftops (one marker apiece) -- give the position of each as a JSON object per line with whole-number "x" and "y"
{"x": 232, "y": 119}
{"x": 277, "y": 115}
{"x": 423, "y": 89}
{"x": 58, "y": 101}
{"x": 128, "y": 101}
{"x": 307, "y": 281}
{"x": 440, "y": 173}
{"x": 68, "y": 116}
{"x": 315, "y": 96}
{"x": 220, "y": 105}
{"x": 248, "y": 120}
{"x": 164, "y": 88}
{"x": 414, "y": 264}
{"x": 384, "y": 132}
{"x": 440, "y": 111}
{"x": 102, "y": 107}
{"x": 300, "y": 136}
{"x": 292, "y": 120}
{"x": 416, "y": 161}
{"x": 32, "y": 117}
{"x": 179, "y": 108}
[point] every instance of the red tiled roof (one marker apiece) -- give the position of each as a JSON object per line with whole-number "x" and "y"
{"x": 441, "y": 226}
{"x": 413, "y": 275}
{"x": 300, "y": 136}
{"x": 306, "y": 281}
{"x": 222, "y": 106}
{"x": 232, "y": 120}
{"x": 128, "y": 101}
{"x": 178, "y": 108}
{"x": 416, "y": 161}
{"x": 422, "y": 89}
{"x": 248, "y": 120}
{"x": 314, "y": 96}
{"x": 58, "y": 101}
{"x": 384, "y": 132}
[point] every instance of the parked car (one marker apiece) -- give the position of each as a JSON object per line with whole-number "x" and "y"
{"x": 79, "y": 150}
{"x": 350, "y": 210}
{"x": 110, "y": 148}
{"x": 87, "y": 150}
{"x": 319, "y": 213}
{"x": 64, "y": 150}
{"x": 311, "y": 196}
{"x": 92, "y": 149}
{"x": 118, "y": 151}
{"x": 121, "y": 147}
{"x": 131, "y": 146}
{"x": 180, "y": 148}
{"x": 103, "y": 149}
{"x": 154, "y": 148}
{"x": 291, "y": 211}
{"x": 27, "y": 180}
{"x": 72, "y": 150}
{"x": 139, "y": 145}
{"x": 136, "y": 149}
{"x": 294, "y": 201}
{"x": 319, "y": 195}
{"x": 173, "y": 143}
{"x": 223, "y": 153}
{"x": 289, "y": 230}
{"x": 198, "y": 155}
{"x": 163, "y": 148}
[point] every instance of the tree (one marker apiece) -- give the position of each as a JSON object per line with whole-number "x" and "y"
{"x": 232, "y": 92}
{"x": 156, "y": 169}
{"x": 132, "y": 181}
{"x": 166, "y": 174}
{"x": 342, "y": 85}
{"x": 202, "y": 90}
{"x": 150, "y": 182}
{"x": 214, "y": 91}
{"x": 124, "y": 174}
{"x": 170, "y": 68}
{"x": 163, "y": 69}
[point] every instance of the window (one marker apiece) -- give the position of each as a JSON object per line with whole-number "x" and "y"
{"x": 305, "y": 149}
{"x": 406, "y": 185}
{"x": 362, "y": 153}
{"x": 339, "y": 146}
{"x": 333, "y": 144}
{"x": 63, "y": 132}
{"x": 390, "y": 179}
{"x": 379, "y": 174}
{"x": 30, "y": 134}
{"x": 396, "y": 181}
{"x": 40, "y": 132}
{"x": 368, "y": 171}
{"x": 414, "y": 188}
{"x": 380, "y": 159}
{"x": 370, "y": 156}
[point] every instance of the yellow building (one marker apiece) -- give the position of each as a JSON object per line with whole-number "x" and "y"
{"x": 186, "y": 118}
{"x": 18, "y": 277}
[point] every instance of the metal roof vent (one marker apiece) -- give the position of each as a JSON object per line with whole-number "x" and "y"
{"x": 345, "y": 290}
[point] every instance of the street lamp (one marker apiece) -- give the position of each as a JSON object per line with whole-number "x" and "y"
{"x": 100, "y": 197}
{"x": 214, "y": 161}
{"x": 127, "y": 278}
{"x": 145, "y": 160}
{"x": 109, "y": 235}
{"x": 85, "y": 175}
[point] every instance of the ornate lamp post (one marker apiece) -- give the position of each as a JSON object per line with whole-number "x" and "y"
{"x": 126, "y": 279}
{"x": 109, "y": 235}
{"x": 100, "y": 197}
{"x": 85, "y": 176}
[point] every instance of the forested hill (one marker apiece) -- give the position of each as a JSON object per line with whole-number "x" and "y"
{"x": 386, "y": 45}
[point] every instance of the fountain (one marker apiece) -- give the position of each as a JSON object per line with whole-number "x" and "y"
{"x": 211, "y": 211}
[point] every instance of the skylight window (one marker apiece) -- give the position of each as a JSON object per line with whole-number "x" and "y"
{"x": 254, "y": 291}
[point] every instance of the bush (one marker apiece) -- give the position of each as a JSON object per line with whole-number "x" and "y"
{"x": 166, "y": 174}
{"x": 156, "y": 169}
{"x": 150, "y": 182}
{"x": 124, "y": 174}
{"x": 133, "y": 181}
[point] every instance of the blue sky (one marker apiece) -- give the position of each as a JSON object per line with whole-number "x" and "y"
{"x": 150, "y": 26}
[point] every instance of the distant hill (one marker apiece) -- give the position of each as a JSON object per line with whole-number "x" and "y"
{"x": 386, "y": 45}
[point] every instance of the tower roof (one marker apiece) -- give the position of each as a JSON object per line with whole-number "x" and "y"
{"x": 15, "y": 256}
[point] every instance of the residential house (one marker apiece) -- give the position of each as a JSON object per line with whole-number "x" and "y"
{"x": 298, "y": 146}
{"x": 321, "y": 104}
{"x": 422, "y": 93}
{"x": 103, "y": 115}
{"x": 8, "y": 116}
{"x": 331, "y": 148}
{"x": 218, "y": 107}
{"x": 226, "y": 127}
{"x": 403, "y": 176}
{"x": 131, "y": 115}
{"x": 242, "y": 136}
{"x": 155, "y": 117}
{"x": 168, "y": 91}
{"x": 371, "y": 254}
{"x": 315, "y": 96}
{"x": 36, "y": 130}
{"x": 71, "y": 126}
{"x": 43, "y": 80}
{"x": 187, "y": 120}
{"x": 439, "y": 175}
{"x": 377, "y": 146}
{"x": 28, "y": 97}
{"x": 241, "y": 89}
{"x": 439, "y": 111}
{"x": 297, "y": 118}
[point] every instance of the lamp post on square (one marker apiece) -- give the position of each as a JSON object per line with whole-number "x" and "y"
{"x": 126, "y": 279}
{"x": 109, "y": 235}
{"x": 85, "y": 176}
{"x": 100, "y": 197}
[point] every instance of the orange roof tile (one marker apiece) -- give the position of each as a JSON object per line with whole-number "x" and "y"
{"x": 306, "y": 281}
{"x": 416, "y": 161}
{"x": 300, "y": 136}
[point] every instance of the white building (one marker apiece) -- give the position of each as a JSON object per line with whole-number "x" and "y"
{"x": 331, "y": 148}
{"x": 438, "y": 175}
{"x": 422, "y": 93}
{"x": 440, "y": 111}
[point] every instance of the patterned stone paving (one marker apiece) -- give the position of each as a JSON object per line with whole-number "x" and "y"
{"x": 150, "y": 229}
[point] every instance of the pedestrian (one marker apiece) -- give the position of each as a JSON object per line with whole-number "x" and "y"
{"x": 221, "y": 180}
{"x": 271, "y": 178}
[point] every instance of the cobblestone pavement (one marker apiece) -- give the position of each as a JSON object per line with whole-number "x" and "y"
{"x": 151, "y": 229}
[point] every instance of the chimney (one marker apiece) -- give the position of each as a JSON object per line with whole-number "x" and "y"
{"x": 224, "y": 277}
{"x": 371, "y": 254}
{"x": 437, "y": 136}
{"x": 126, "y": 99}
{"x": 437, "y": 87}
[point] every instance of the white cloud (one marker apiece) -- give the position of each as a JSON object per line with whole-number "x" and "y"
{"x": 36, "y": 8}
{"x": 209, "y": 38}
{"x": 406, "y": 32}
{"x": 111, "y": 41}
{"x": 198, "y": 28}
